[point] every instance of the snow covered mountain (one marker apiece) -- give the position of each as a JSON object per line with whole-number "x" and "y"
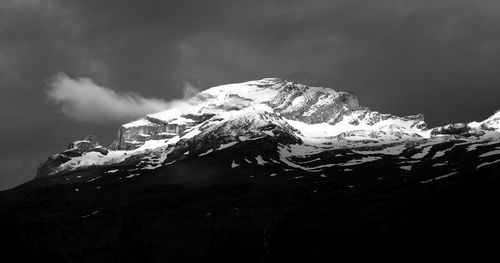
{"x": 264, "y": 171}
{"x": 301, "y": 121}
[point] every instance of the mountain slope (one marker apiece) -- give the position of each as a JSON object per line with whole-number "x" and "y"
{"x": 242, "y": 203}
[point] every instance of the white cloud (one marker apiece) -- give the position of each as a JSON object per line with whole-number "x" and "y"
{"x": 189, "y": 91}
{"x": 83, "y": 100}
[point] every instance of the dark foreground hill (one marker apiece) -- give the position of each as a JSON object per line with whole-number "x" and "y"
{"x": 202, "y": 210}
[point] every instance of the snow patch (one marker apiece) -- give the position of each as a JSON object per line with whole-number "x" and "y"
{"x": 226, "y": 145}
{"x": 406, "y": 167}
{"x": 207, "y": 152}
{"x": 495, "y": 152}
{"x": 440, "y": 154}
{"x": 439, "y": 178}
{"x": 132, "y": 175}
{"x": 361, "y": 161}
{"x": 392, "y": 150}
{"x": 423, "y": 153}
{"x": 93, "y": 179}
{"x": 487, "y": 163}
{"x": 234, "y": 164}
{"x": 260, "y": 161}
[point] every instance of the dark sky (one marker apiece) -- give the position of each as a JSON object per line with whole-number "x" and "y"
{"x": 437, "y": 57}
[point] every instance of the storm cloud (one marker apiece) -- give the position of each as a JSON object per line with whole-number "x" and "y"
{"x": 440, "y": 58}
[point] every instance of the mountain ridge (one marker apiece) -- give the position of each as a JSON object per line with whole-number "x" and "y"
{"x": 310, "y": 115}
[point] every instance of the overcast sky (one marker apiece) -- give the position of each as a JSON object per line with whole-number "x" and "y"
{"x": 436, "y": 57}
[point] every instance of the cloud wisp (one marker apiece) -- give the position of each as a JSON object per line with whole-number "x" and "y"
{"x": 83, "y": 100}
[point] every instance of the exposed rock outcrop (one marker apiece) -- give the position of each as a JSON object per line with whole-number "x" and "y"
{"x": 311, "y": 105}
{"x": 492, "y": 123}
{"x": 458, "y": 129}
{"x": 290, "y": 100}
{"x": 240, "y": 128}
{"x": 89, "y": 144}
{"x": 51, "y": 165}
{"x": 367, "y": 117}
{"x": 133, "y": 135}
{"x": 75, "y": 149}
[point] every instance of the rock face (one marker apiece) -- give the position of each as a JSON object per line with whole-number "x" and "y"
{"x": 367, "y": 117}
{"x": 51, "y": 165}
{"x": 311, "y": 105}
{"x": 459, "y": 129}
{"x": 246, "y": 126}
{"x": 134, "y": 134}
{"x": 291, "y": 100}
{"x": 492, "y": 123}
{"x": 89, "y": 144}
{"x": 75, "y": 149}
